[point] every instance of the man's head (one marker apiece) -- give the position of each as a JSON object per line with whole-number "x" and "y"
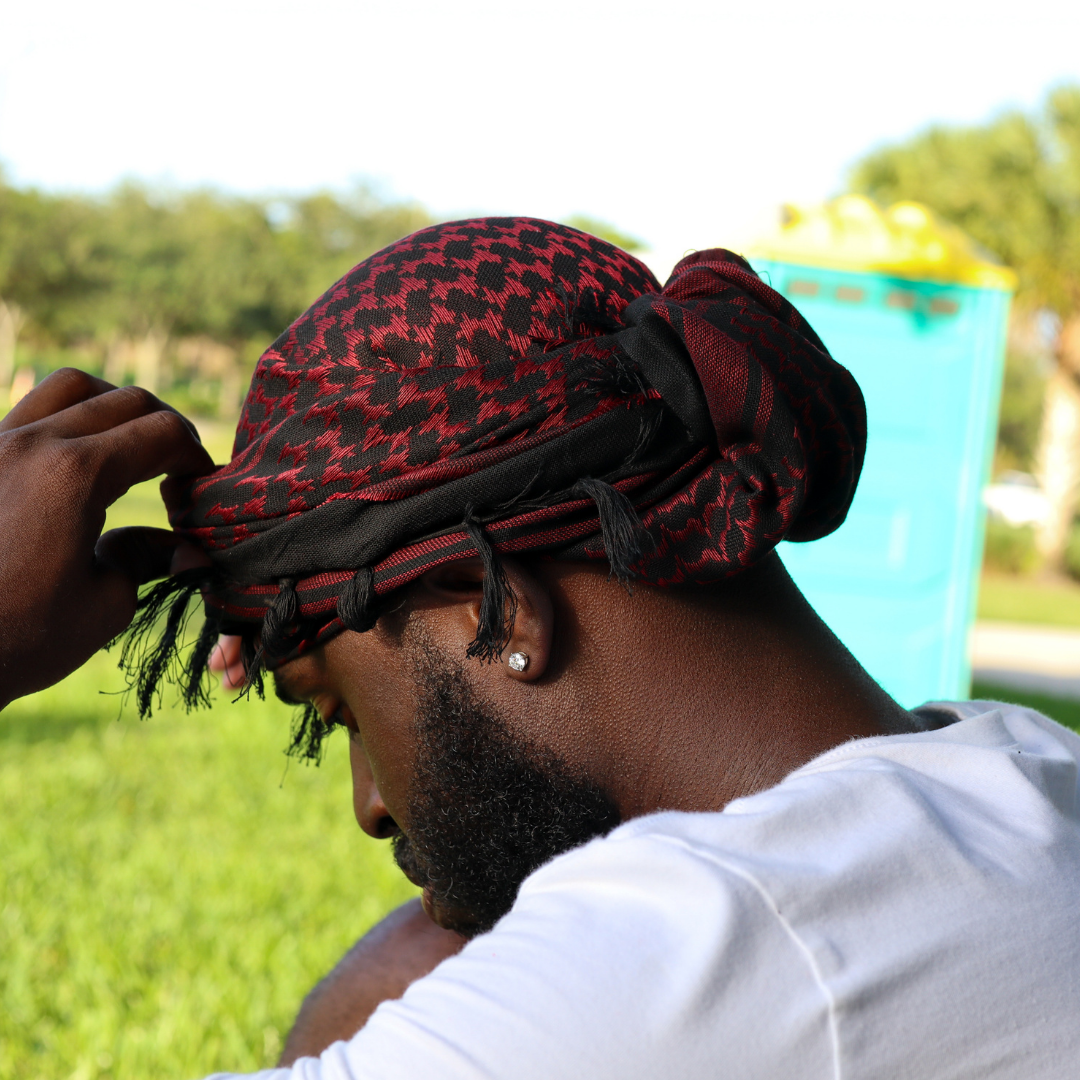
{"x": 449, "y": 457}
{"x": 510, "y": 386}
{"x": 630, "y": 702}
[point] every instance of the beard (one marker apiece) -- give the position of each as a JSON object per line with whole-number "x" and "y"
{"x": 487, "y": 807}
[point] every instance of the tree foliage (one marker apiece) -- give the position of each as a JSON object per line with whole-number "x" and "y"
{"x": 1013, "y": 184}
{"x": 596, "y": 227}
{"x": 90, "y": 270}
{"x": 1020, "y": 413}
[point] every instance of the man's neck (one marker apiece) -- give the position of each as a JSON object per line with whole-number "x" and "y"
{"x": 718, "y": 695}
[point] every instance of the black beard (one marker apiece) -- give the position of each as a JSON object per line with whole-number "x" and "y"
{"x": 487, "y": 808}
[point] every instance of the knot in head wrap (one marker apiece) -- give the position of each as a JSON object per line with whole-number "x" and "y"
{"x": 508, "y": 385}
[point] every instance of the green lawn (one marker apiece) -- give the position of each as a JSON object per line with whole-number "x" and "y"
{"x": 1064, "y": 712}
{"x": 1024, "y": 599}
{"x": 169, "y": 890}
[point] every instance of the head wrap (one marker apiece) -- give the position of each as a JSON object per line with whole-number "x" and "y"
{"x": 508, "y": 385}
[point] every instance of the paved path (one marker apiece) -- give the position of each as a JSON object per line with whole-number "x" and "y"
{"x": 1044, "y": 659}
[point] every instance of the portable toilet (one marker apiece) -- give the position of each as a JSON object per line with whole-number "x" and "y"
{"x": 908, "y": 304}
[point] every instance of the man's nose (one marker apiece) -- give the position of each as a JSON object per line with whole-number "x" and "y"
{"x": 371, "y": 813}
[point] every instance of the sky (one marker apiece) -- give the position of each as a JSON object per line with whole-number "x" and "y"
{"x": 686, "y": 124}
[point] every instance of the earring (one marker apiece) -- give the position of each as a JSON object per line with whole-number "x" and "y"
{"x": 518, "y": 661}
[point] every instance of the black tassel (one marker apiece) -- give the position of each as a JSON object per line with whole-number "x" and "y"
{"x": 356, "y": 606}
{"x": 254, "y": 667}
{"x": 280, "y": 617}
{"x": 309, "y": 732}
{"x": 148, "y": 663}
{"x": 150, "y": 655}
{"x": 195, "y": 686}
{"x": 615, "y": 373}
{"x": 498, "y": 606}
{"x": 620, "y": 527}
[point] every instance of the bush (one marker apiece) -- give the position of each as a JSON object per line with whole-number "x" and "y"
{"x": 1010, "y": 548}
{"x": 1021, "y": 413}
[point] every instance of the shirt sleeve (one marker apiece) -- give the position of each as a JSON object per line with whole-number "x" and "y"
{"x": 634, "y": 956}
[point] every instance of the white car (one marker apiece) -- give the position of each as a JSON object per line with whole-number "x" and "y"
{"x": 1016, "y": 498}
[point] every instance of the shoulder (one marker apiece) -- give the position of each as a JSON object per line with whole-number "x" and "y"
{"x": 871, "y": 893}
{"x": 636, "y": 955}
{"x": 638, "y": 960}
{"x": 874, "y": 830}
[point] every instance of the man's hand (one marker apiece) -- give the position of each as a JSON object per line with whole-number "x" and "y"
{"x": 67, "y": 451}
{"x": 402, "y": 948}
{"x": 228, "y": 658}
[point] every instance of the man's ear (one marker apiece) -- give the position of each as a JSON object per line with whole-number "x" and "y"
{"x": 459, "y": 586}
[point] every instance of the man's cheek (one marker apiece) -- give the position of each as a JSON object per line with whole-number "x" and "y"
{"x": 390, "y": 760}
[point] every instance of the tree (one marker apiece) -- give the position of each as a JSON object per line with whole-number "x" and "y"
{"x": 596, "y": 227}
{"x": 45, "y": 265}
{"x": 204, "y": 277}
{"x": 1014, "y": 185}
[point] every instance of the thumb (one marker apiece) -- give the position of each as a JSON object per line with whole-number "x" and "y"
{"x": 144, "y": 554}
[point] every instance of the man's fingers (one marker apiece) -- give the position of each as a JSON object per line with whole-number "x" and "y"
{"x": 143, "y": 554}
{"x": 227, "y": 652}
{"x": 228, "y": 659}
{"x": 108, "y": 410}
{"x": 140, "y": 449}
{"x": 187, "y": 557}
{"x": 114, "y": 598}
{"x": 60, "y": 390}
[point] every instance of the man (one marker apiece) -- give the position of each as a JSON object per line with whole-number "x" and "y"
{"x": 506, "y": 510}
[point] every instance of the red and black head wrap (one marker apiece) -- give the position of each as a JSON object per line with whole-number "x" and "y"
{"x": 508, "y": 385}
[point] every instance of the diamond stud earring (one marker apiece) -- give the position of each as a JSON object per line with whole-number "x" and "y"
{"x": 518, "y": 661}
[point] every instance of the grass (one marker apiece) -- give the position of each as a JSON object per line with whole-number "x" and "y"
{"x": 1032, "y": 600}
{"x": 1063, "y": 711}
{"x": 169, "y": 892}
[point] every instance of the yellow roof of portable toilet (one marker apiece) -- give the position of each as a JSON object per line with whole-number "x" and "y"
{"x": 907, "y": 240}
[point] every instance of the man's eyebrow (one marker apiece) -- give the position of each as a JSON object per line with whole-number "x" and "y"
{"x": 281, "y": 691}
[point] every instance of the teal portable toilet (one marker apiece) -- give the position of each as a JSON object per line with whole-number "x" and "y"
{"x": 906, "y": 303}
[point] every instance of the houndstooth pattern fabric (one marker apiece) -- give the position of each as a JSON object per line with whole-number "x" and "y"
{"x": 481, "y": 368}
{"x": 439, "y": 355}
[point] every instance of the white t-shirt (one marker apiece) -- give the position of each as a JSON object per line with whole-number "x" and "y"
{"x": 901, "y": 907}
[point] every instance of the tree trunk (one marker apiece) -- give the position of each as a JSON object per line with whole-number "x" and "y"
{"x": 11, "y": 322}
{"x": 1059, "y": 447}
{"x": 148, "y": 351}
{"x": 116, "y": 360}
{"x": 232, "y": 387}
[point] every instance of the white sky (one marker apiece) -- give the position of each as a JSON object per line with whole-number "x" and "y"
{"x": 684, "y": 123}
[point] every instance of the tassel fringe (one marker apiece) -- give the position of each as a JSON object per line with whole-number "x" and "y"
{"x": 357, "y": 606}
{"x": 152, "y": 646}
{"x": 280, "y": 616}
{"x": 150, "y": 663}
{"x": 498, "y": 606}
{"x": 308, "y": 736}
{"x": 147, "y": 662}
{"x": 621, "y": 530}
{"x": 254, "y": 669}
